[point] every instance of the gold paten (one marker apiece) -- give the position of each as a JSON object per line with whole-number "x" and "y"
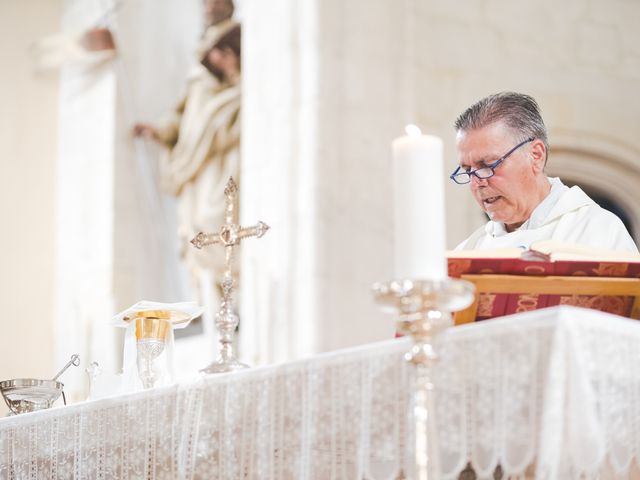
{"x": 175, "y": 317}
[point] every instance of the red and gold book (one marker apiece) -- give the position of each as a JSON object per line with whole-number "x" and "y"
{"x": 546, "y": 259}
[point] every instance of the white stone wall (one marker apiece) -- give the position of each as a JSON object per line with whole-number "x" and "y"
{"x": 28, "y": 129}
{"x": 319, "y": 115}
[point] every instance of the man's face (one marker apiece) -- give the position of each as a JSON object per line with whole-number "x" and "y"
{"x": 514, "y": 191}
{"x": 216, "y": 11}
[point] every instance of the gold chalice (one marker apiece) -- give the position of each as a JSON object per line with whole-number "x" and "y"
{"x": 152, "y": 329}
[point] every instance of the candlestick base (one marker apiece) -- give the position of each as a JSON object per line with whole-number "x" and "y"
{"x": 424, "y": 310}
{"x": 221, "y": 366}
{"x": 226, "y": 323}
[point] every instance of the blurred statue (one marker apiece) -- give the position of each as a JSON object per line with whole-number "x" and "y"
{"x": 202, "y": 139}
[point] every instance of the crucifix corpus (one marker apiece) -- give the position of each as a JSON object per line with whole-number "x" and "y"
{"x": 230, "y": 235}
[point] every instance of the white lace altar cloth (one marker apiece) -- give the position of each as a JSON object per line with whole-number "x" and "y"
{"x": 558, "y": 389}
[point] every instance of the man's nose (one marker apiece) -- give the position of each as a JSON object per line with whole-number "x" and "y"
{"x": 479, "y": 182}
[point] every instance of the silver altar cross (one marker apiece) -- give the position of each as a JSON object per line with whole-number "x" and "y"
{"x": 230, "y": 235}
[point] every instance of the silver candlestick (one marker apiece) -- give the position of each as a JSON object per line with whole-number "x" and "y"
{"x": 230, "y": 235}
{"x": 424, "y": 311}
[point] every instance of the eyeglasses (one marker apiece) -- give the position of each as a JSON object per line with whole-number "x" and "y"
{"x": 462, "y": 177}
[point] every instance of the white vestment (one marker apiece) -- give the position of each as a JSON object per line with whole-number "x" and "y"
{"x": 567, "y": 215}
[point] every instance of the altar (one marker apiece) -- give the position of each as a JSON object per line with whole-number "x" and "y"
{"x": 555, "y": 390}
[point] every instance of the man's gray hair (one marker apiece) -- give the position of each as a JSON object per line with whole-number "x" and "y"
{"x": 517, "y": 111}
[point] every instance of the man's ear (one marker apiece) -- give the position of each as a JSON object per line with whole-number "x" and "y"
{"x": 539, "y": 153}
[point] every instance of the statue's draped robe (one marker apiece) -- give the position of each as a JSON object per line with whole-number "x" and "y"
{"x": 203, "y": 140}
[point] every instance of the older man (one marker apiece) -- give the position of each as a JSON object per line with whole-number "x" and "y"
{"x": 502, "y": 149}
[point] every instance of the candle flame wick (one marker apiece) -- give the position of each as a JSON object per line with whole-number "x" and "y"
{"x": 412, "y": 130}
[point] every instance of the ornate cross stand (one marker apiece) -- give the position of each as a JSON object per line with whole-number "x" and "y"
{"x": 230, "y": 235}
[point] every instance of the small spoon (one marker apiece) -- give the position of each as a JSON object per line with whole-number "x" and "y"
{"x": 75, "y": 361}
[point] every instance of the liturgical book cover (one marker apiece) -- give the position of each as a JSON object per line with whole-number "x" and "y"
{"x": 546, "y": 258}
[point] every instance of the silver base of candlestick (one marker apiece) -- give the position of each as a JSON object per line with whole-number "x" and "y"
{"x": 424, "y": 311}
{"x": 226, "y": 323}
{"x": 222, "y": 366}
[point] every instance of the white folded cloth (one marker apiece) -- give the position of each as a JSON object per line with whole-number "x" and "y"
{"x": 180, "y": 314}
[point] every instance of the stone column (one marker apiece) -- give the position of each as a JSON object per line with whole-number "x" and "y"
{"x": 326, "y": 89}
{"x": 84, "y": 210}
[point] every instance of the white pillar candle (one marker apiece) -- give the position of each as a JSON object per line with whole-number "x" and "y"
{"x": 418, "y": 180}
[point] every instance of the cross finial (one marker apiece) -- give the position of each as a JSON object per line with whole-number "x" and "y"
{"x": 230, "y": 234}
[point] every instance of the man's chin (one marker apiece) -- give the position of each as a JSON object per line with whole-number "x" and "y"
{"x": 509, "y": 223}
{"x": 497, "y": 217}
{"x": 493, "y": 214}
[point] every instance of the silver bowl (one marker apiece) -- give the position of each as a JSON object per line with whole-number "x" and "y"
{"x": 24, "y": 395}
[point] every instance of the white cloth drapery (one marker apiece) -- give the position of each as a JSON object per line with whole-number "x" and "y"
{"x": 556, "y": 388}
